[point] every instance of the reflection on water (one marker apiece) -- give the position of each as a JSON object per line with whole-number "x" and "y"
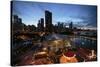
{"x": 77, "y": 41}
{"x": 84, "y": 42}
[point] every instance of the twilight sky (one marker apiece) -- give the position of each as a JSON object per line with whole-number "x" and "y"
{"x": 80, "y": 15}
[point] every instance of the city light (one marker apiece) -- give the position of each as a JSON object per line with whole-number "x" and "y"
{"x": 56, "y": 36}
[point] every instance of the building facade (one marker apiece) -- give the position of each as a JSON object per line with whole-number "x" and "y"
{"x": 48, "y": 21}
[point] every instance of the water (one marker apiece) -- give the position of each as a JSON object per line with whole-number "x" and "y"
{"x": 77, "y": 41}
{"x": 84, "y": 42}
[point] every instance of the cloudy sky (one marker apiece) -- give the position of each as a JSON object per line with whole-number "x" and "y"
{"x": 80, "y": 15}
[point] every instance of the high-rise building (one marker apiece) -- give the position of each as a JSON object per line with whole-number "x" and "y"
{"x": 19, "y": 20}
{"x": 17, "y": 23}
{"x": 48, "y": 21}
{"x": 15, "y": 19}
{"x": 71, "y": 25}
{"x": 41, "y": 25}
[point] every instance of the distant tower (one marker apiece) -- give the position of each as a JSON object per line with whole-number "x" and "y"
{"x": 17, "y": 23}
{"x": 19, "y": 20}
{"x": 39, "y": 26}
{"x": 42, "y": 24}
{"x": 71, "y": 25}
{"x": 48, "y": 21}
{"x": 15, "y": 18}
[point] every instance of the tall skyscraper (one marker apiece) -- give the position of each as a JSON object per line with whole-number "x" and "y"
{"x": 48, "y": 21}
{"x": 15, "y": 18}
{"x": 71, "y": 25}
{"x": 17, "y": 23}
{"x": 19, "y": 20}
{"x": 41, "y": 25}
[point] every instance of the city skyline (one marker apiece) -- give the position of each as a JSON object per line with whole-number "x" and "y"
{"x": 51, "y": 33}
{"x": 80, "y": 15}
